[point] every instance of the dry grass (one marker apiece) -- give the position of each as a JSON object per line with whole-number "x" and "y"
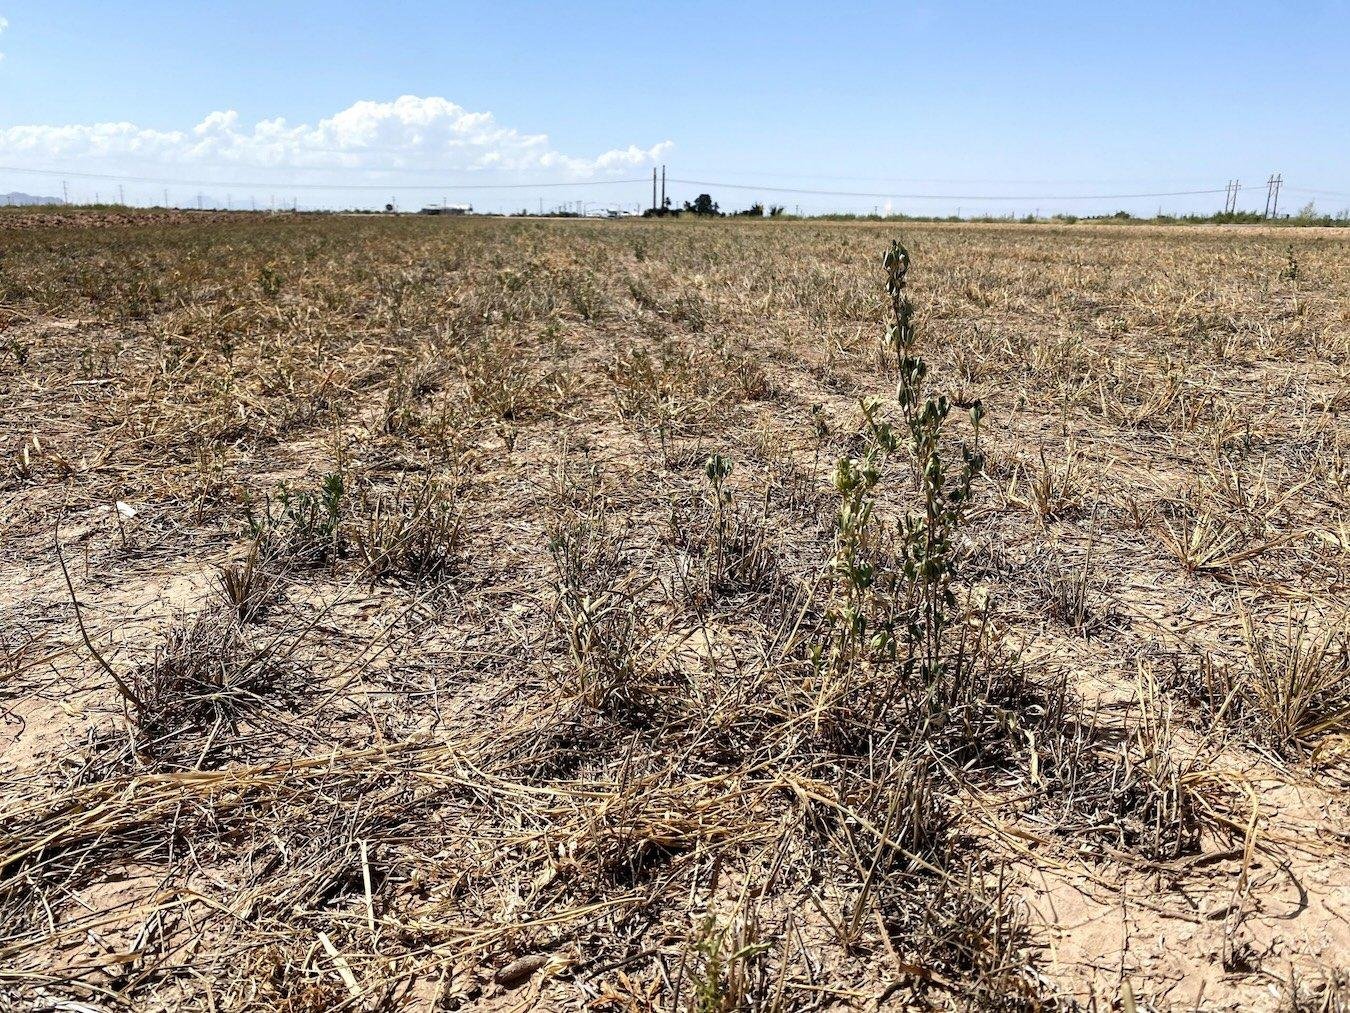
{"x": 670, "y": 616}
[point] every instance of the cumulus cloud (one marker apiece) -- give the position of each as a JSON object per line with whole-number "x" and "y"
{"x": 409, "y": 134}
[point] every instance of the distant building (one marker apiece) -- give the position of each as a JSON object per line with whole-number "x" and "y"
{"x": 448, "y": 209}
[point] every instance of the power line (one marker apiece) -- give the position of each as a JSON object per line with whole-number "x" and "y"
{"x": 1319, "y": 193}
{"x": 758, "y": 174}
{"x": 950, "y": 196}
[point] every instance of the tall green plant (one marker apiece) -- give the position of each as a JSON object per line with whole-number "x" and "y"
{"x": 922, "y": 608}
{"x": 929, "y": 535}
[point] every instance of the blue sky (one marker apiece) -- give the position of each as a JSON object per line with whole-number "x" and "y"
{"x": 1038, "y": 101}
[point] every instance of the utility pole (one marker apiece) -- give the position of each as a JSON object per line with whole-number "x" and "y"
{"x": 663, "y": 185}
{"x": 121, "y": 195}
{"x": 1276, "y": 181}
{"x": 65, "y": 193}
{"x": 166, "y": 197}
{"x": 653, "y": 188}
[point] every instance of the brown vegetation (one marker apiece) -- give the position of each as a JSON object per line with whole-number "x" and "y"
{"x": 429, "y": 614}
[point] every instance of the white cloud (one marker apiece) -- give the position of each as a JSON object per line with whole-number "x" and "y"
{"x": 364, "y": 142}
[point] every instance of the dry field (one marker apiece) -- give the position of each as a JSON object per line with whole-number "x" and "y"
{"x": 499, "y": 615}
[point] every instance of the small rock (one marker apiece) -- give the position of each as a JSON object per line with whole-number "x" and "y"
{"x": 520, "y": 969}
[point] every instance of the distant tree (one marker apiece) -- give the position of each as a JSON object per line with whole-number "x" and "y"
{"x": 703, "y": 204}
{"x": 1308, "y": 210}
{"x": 775, "y": 210}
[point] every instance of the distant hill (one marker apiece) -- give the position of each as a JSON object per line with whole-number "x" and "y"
{"x": 27, "y": 198}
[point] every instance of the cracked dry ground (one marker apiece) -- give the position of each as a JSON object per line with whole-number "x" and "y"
{"x": 428, "y": 668}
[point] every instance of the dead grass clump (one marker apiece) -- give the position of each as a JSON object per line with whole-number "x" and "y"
{"x": 587, "y": 294}
{"x": 1141, "y": 402}
{"x": 668, "y": 395}
{"x": 915, "y": 889}
{"x": 24, "y": 652}
{"x": 1005, "y": 715}
{"x": 596, "y": 612}
{"x": 288, "y": 980}
{"x": 789, "y": 483}
{"x": 1300, "y": 677}
{"x": 251, "y": 586}
{"x": 975, "y": 946}
{"x": 1211, "y": 689}
{"x": 500, "y": 387}
{"x": 1052, "y": 491}
{"x": 748, "y": 379}
{"x": 404, "y": 401}
{"x": 25, "y": 461}
{"x": 304, "y": 396}
{"x": 1159, "y": 795}
{"x": 906, "y": 819}
{"x": 1203, "y": 540}
{"x": 203, "y": 680}
{"x": 1071, "y": 592}
{"x": 690, "y": 309}
{"x": 578, "y": 482}
{"x": 413, "y": 532}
